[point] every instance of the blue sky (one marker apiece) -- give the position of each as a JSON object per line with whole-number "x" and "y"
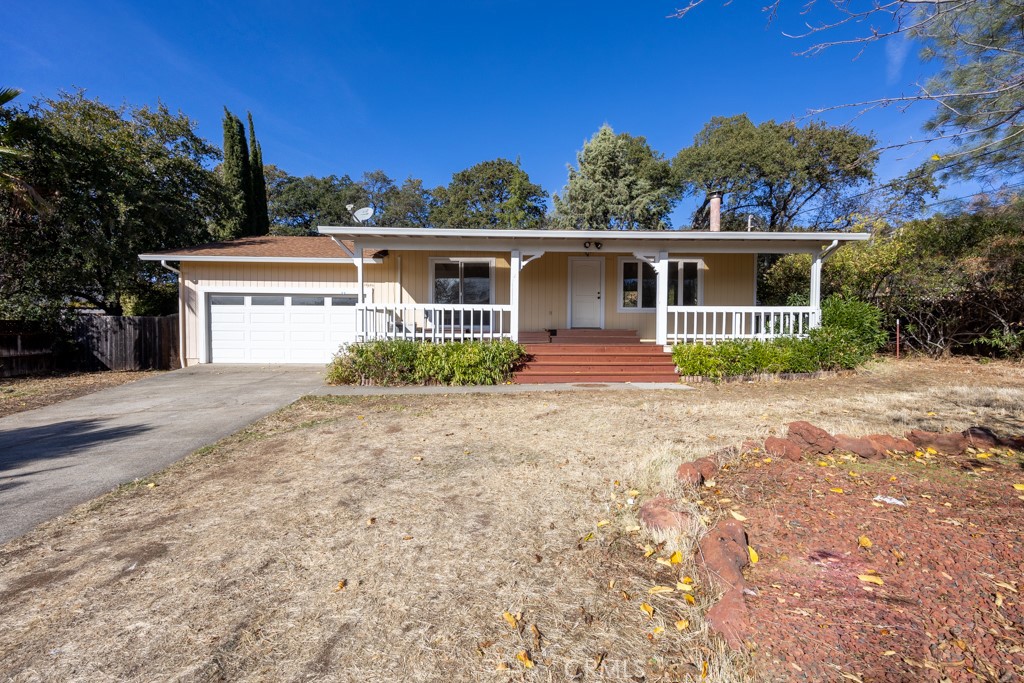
{"x": 429, "y": 88}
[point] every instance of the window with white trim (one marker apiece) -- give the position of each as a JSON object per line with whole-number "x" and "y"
{"x": 638, "y": 284}
{"x": 466, "y": 282}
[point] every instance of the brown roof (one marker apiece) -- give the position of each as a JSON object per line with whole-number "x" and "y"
{"x": 270, "y": 246}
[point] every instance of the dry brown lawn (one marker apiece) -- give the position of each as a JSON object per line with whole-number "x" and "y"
{"x": 28, "y": 393}
{"x": 383, "y": 538}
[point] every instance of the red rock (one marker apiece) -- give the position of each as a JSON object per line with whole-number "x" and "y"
{"x": 783, "y": 448}
{"x": 724, "y": 553}
{"x": 657, "y": 515}
{"x": 707, "y": 467}
{"x": 944, "y": 443}
{"x": 811, "y": 439}
{"x": 862, "y": 447}
{"x": 890, "y": 443}
{"x": 689, "y": 475}
{"x": 982, "y": 437}
{"x": 729, "y": 618}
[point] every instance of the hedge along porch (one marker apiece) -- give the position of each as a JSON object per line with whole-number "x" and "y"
{"x": 672, "y": 286}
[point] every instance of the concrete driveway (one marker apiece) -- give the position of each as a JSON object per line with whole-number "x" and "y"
{"x": 56, "y": 457}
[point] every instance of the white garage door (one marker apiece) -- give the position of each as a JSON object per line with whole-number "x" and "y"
{"x": 279, "y": 328}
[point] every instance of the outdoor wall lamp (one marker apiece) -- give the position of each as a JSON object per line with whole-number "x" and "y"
{"x": 597, "y": 245}
{"x": 586, "y": 245}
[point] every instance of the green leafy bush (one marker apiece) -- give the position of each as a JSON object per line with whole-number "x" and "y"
{"x": 397, "y": 362}
{"x": 862, "y": 319}
{"x": 849, "y": 339}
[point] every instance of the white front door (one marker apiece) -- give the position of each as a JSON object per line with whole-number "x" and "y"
{"x": 585, "y": 305}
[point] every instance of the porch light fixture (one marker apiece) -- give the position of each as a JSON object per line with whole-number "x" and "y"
{"x": 597, "y": 245}
{"x": 586, "y": 245}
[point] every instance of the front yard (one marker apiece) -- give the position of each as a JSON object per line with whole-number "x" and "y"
{"x": 494, "y": 537}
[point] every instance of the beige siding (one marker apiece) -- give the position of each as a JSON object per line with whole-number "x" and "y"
{"x": 728, "y": 279}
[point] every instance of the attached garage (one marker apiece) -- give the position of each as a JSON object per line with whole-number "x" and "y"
{"x": 279, "y": 328}
{"x": 270, "y": 299}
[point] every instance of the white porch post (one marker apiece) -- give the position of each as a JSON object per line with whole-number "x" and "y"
{"x": 513, "y": 296}
{"x": 661, "y": 308}
{"x": 357, "y": 257}
{"x": 815, "y": 297}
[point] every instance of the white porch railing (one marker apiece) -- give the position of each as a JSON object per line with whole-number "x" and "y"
{"x": 711, "y": 324}
{"x": 433, "y": 322}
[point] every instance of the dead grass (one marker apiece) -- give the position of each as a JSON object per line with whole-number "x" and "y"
{"x": 439, "y": 513}
{"x": 27, "y": 393}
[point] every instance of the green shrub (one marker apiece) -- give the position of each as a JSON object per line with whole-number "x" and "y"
{"x": 848, "y": 341}
{"x": 862, "y": 319}
{"x": 397, "y": 362}
{"x": 698, "y": 360}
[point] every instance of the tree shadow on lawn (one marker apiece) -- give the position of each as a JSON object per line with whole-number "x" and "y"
{"x": 19, "y": 447}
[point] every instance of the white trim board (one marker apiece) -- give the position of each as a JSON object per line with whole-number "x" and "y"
{"x": 253, "y": 259}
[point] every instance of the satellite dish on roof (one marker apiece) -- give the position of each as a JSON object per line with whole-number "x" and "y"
{"x": 363, "y": 213}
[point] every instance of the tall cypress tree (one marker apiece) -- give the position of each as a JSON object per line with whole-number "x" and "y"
{"x": 237, "y": 177}
{"x": 260, "y": 216}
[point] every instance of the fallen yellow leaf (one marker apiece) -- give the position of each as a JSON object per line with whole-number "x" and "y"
{"x": 753, "y": 555}
{"x": 341, "y": 585}
{"x": 868, "y": 578}
{"x": 864, "y": 542}
{"x": 704, "y": 670}
{"x": 836, "y": 490}
{"x": 658, "y": 629}
{"x": 822, "y": 463}
{"x": 510, "y": 618}
{"x": 686, "y": 588}
{"x": 524, "y": 658}
{"x": 648, "y": 551}
{"x": 983, "y": 455}
{"x": 659, "y": 589}
{"x": 689, "y": 599}
{"x": 931, "y": 451}
{"x": 1019, "y": 487}
{"x": 676, "y": 557}
{"x": 766, "y": 460}
{"x": 603, "y": 522}
{"x": 682, "y": 624}
{"x": 647, "y": 609}
{"x": 687, "y": 580}
{"x": 737, "y": 516}
{"x": 662, "y": 560}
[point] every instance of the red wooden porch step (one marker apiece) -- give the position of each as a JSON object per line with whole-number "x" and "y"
{"x": 596, "y": 356}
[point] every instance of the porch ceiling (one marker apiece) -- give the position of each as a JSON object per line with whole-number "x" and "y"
{"x": 611, "y": 241}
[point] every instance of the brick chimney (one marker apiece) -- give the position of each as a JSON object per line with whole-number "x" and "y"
{"x": 715, "y": 209}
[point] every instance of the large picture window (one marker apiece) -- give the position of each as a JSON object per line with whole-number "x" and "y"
{"x": 463, "y": 282}
{"x": 638, "y": 284}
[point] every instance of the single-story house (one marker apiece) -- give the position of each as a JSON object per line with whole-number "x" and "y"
{"x": 297, "y": 299}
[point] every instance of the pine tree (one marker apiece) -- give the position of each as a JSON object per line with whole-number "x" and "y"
{"x": 237, "y": 177}
{"x": 260, "y": 216}
{"x": 620, "y": 184}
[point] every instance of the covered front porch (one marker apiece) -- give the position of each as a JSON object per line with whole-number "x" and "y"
{"x": 667, "y": 287}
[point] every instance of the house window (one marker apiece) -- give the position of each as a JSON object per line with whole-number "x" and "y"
{"x": 638, "y": 284}
{"x": 463, "y": 282}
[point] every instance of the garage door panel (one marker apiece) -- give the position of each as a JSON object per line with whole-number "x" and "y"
{"x": 277, "y": 336}
{"x": 267, "y": 318}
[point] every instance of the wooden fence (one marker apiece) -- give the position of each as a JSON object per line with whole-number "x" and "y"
{"x": 97, "y": 342}
{"x": 108, "y": 342}
{"x": 26, "y": 348}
